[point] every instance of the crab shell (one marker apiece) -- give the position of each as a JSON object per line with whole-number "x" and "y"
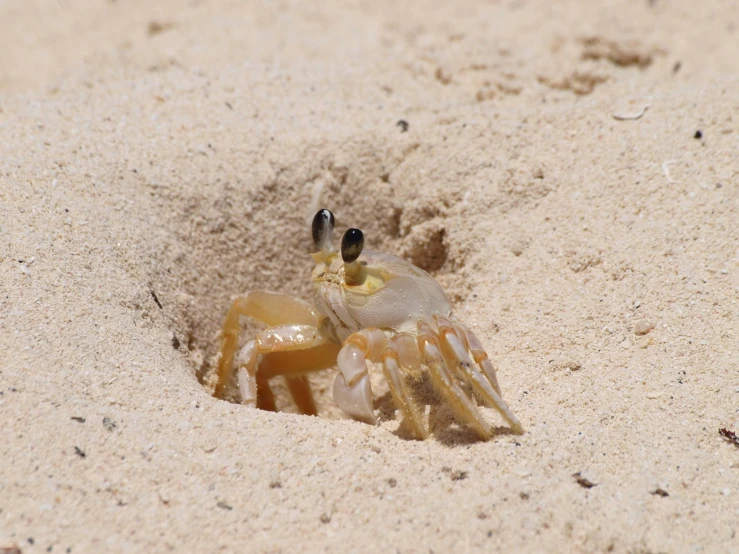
{"x": 394, "y": 295}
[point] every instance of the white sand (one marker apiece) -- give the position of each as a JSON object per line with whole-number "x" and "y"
{"x": 176, "y": 149}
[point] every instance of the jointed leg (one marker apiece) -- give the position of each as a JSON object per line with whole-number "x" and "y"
{"x": 249, "y": 358}
{"x": 299, "y": 388}
{"x": 258, "y": 364}
{"x": 401, "y": 394}
{"x": 352, "y": 391}
{"x": 454, "y": 351}
{"x": 446, "y": 383}
{"x": 255, "y": 369}
{"x": 293, "y": 365}
{"x": 294, "y": 326}
{"x": 480, "y": 357}
{"x": 270, "y": 308}
{"x": 265, "y": 398}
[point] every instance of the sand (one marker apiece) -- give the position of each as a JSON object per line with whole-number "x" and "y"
{"x": 569, "y": 173}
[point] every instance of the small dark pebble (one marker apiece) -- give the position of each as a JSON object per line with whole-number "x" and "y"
{"x": 30, "y": 540}
{"x": 403, "y": 124}
{"x": 156, "y": 27}
{"x": 275, "y": 485}
{"x": 325, "y": 518}
{"x": 79, "y": 452}
{"x": 698, "y": 135}
{"x": 224, "y": 506}
{"x": 392, "y": 482}
{"x": 525, "y": 496}
{"x": 729, "y": 436}
{"x": 154, "y": 296}
{"x": 109, "y": 424}
{"x": 78, "y": 419}
{"x": 583, "y": 482}
{"x": 455, "y": 475}
{"x": 175, "y": 342}
{"x": 660, "y": 492}
{"x": 676, "y": 67}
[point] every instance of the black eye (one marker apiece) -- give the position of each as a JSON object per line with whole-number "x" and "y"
{"x": 323, "y": 226}
{"x": 351, "y": 245}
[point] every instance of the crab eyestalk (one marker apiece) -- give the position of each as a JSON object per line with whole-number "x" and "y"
{"x": 322, "y": 230}
{"x": 351, "y": 247}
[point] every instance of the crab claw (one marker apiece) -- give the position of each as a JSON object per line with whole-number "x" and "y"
{"x": 352, "y": 390}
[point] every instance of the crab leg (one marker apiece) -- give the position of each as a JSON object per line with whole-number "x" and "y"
{"x": 446, "y": 384}
{"x": 455, "y": 354}
{"x": 295, "y": 330}
{"x": 247, "y": 373}
{"x": 293, "y": 365}
{"x": 401, "y": 395}
{"x": 480, "y": 356}
{"x": 270, "y": 308}
{"x": 275, "y": 352}
{"x": 266, "y": 398}
{"x": 299, "y": 388}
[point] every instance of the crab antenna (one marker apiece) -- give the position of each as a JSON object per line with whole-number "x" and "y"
{"x": 352, "y": 244}
{"x": 322, "y": 230}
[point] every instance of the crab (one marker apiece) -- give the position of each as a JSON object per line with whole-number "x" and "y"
{"x": 368, "y": 307}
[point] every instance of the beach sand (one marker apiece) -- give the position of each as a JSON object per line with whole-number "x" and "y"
{"x": 569, "y": 173}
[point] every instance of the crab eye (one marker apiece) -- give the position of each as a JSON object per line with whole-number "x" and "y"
{"x": 322, "y": 228}
{"x": 351, "y": 245}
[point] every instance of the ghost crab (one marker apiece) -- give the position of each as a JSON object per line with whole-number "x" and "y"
{"x": 376, "y": 308}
